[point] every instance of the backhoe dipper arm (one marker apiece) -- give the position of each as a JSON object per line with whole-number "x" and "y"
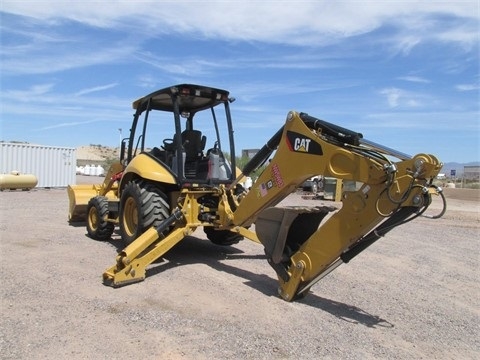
{"x": 300, "y": 250}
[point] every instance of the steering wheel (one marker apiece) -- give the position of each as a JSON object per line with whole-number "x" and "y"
{"x": 168, "y": 144}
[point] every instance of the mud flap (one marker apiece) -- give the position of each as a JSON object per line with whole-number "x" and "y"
{"x": 283, "y": 230}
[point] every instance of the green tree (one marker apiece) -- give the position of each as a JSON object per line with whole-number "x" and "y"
{"x": 242, "y": 161}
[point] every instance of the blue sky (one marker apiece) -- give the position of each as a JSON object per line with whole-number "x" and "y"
{"x": 403, "y": 73}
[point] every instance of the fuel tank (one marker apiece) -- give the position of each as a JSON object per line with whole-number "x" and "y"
{"x": 15, "y": 180}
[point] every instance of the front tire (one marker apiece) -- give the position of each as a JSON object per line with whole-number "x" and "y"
{"x": 142, "y": 205}
{"x": 97, "y": 213}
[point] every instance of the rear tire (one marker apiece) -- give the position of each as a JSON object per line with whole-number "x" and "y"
{"x": 222, "y": 237}
{"x": 142, "y": 205}
{"x": 97, "y": 211}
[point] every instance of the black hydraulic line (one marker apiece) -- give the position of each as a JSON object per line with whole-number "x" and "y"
{"x": 215, "y": 123}
{"x": 231, "y": 139}
{"x": 341, "y": 134}
{"x": 444, "y": 202}
{"x": 376, "y": 234}
{"x": 261, "y": 156}
{"x": 177, "y": 141}
{"x": 176, "y": 215}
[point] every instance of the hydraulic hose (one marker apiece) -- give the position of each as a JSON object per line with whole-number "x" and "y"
{"x": 439, "y": 191}
{"x": 339, "y": 133}
{"x": 264, "y": 153}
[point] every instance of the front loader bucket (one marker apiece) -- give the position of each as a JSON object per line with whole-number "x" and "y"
{"x": 79, "y": 196}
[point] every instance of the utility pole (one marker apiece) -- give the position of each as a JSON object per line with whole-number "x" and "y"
{"x": 120, "y": 142}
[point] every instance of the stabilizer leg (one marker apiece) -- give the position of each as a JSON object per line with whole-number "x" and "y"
{"x": 131, "y": 263}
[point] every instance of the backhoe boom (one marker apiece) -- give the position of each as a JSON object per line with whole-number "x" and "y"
{"x": 388, "y": 194}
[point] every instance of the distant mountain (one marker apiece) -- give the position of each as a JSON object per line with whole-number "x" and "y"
{"x": 458, "y": 167}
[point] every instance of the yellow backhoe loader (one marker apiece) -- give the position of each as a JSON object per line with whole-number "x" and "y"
{"x": 159, "y": 195}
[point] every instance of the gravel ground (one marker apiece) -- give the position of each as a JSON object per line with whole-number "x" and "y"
{"x": 413, "y": 295}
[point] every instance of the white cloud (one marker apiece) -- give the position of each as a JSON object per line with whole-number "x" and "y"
{"x": 184, "y": 67}
{"x": 41, "y": 60}
{"x": 30, "y": 94}
{"x": 467, "y": 87}
{"x": 43, "y": 100}
{"x": 393, "y": 96}
{"x": 147, "y": 81}
{"x": 44, "y": 48}
{"x": 466, "y": 35}
{"x": 67, "y": 124}
{"x": 397, "y": 97}
{"x": 293, "y": 22}
{"x": 420, "y": 120}
{"x": 95, "y": 89}
{"x": 415, "y": 79}
{"x": 405, "y": 44}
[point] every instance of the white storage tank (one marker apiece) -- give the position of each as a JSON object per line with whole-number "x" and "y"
{"x": 100, "y": 170}
{"x": 53, "y": 166}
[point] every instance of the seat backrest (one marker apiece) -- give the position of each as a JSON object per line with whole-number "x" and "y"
{"x": 193, "y": 143}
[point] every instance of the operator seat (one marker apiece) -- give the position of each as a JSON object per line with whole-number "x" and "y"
{"x": 193, "y": 143}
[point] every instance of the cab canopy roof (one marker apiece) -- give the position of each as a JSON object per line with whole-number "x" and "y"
{"x": 191, "y": 98}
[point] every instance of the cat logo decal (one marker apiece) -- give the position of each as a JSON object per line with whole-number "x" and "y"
{"x": 300, "y": 143}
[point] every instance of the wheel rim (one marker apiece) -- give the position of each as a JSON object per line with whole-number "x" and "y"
{"x": 130, "y": 216}
{"x": 93, "y": 218}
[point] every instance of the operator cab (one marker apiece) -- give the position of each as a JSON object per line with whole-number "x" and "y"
{"x": 194, "y": 146}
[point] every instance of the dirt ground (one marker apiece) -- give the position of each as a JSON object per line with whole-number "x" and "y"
{"x": 412, "y": 295}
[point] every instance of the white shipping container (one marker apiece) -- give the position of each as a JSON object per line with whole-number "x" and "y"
{"x": 53, "y": 166}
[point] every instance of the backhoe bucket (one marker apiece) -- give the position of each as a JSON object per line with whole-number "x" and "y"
{"x": 282, "y": 230}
